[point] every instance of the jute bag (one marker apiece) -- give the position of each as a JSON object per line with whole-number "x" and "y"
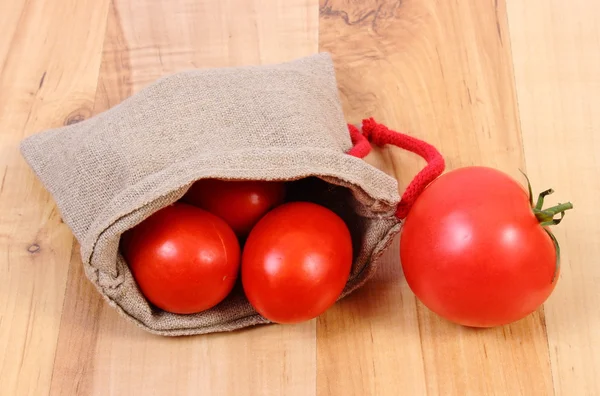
{"x": 274, "y": 122}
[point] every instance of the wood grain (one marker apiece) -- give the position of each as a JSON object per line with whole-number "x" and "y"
{"x": 440, "y": 71}
{"x": 98, "y": 352}
{"x": 557, "y": 69}
{"x": 49, "y": 59}
{"x": 163, "y": 37}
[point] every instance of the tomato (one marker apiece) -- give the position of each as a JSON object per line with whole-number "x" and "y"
{"x": 184, "y": 259}
{"x": 473, "y": 249}
{"x": 296, "y": 262}
{"x": 240, "y": 203}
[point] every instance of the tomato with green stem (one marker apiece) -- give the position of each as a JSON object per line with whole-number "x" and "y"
{"x": 477, "y": 251}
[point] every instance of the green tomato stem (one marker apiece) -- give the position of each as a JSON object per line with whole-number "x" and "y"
{"x": 546, "y": 218}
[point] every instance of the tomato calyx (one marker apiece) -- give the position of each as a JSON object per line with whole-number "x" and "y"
{"x": 546, "y": 217}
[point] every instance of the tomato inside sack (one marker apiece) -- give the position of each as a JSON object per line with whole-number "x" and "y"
{"x": 240, "y": 203}
{"x": 184, "y": 259}
{"x": 473, "y": 251}
{"x": 296, "y": 262}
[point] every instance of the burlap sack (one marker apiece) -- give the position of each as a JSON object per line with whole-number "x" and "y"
{"x": 275, "y": 122}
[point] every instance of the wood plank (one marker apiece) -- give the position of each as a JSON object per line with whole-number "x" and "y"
{"x": 440, "y": 71}
{"x": 164, "y": 37}
{"x": 556, "y": 51}
{"x": 49, "y": 61}
{"x": 99, "y": 353}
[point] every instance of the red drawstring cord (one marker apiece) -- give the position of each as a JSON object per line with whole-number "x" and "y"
{"x": 380, "y": 135}
{"x": 361, "y": 146}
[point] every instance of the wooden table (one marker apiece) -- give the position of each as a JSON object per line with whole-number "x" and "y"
{"x": 506, "y": 83}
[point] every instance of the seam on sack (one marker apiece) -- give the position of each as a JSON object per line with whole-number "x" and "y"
{"x": 140, "y": 323}
{"x": 328, "y": 173}
{"x": 190, "y": 330}
{"x": 286, "y": 152}
{"x": 90, "y": 255}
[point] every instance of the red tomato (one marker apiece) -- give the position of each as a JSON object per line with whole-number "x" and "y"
{"x": 474, "y": 252}
{"x": 296, "y": 262}
{"x": 184, "y": 259}
{"x": 240, "y": 203}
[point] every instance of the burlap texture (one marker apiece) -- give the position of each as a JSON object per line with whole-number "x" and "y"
{"x": 273, "y": 122}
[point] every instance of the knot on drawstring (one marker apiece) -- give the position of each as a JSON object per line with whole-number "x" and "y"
{"x": 374, "y": 132}
{"x": 380, "y": 135}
